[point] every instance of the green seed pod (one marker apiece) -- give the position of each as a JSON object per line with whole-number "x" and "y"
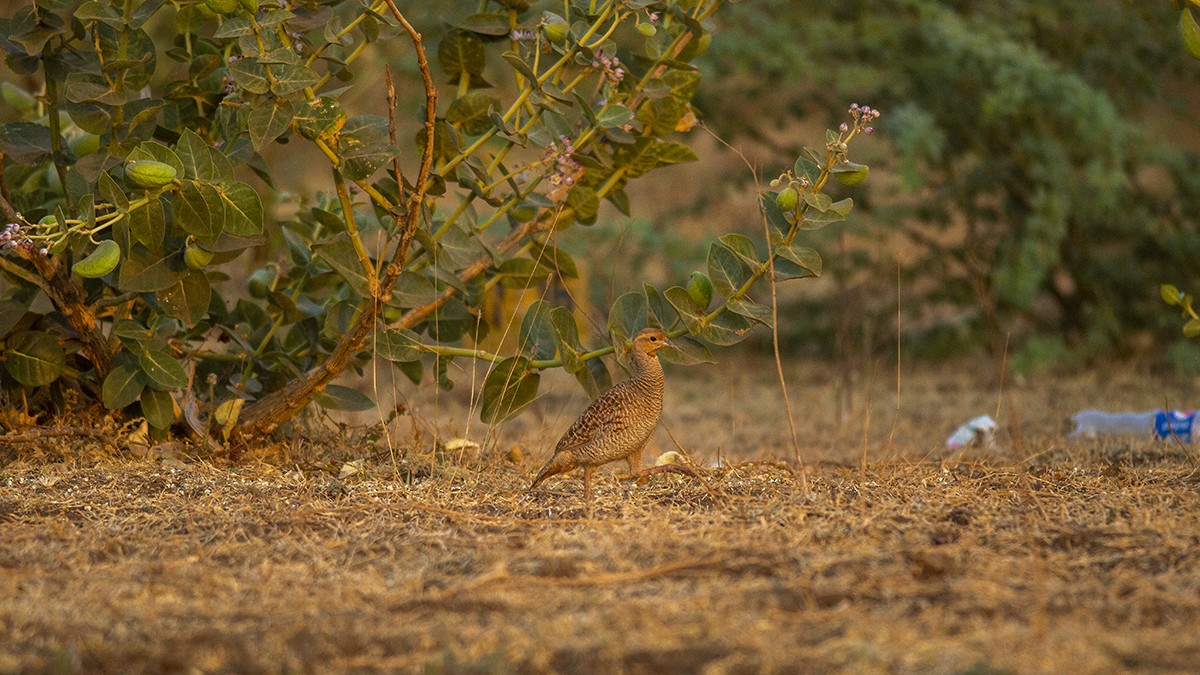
{"x": 321, "y": 118}
{"x": 851, "y": 174}
{"x": 84, "y": 144}
{"x": 554, "y": 27}
{"x": 196, "y": 257}
{"x": 646, "y": 29}
{"x": 53, "y": 180}
{"x": 149, "y": 174}
{"x": 49, "y": 219}
{"x": 261, "y": 281}
{"x": 700, "y": 290}
{"x": 249, "y": 5}
{"x": 524, "y": 212}
{"x": 1189, "y": 32}
{"x": 787, "y": 199}
{"x": 16, "y": 97}
{"x": 100, "y": 262}
{"x": 221, "y": 6}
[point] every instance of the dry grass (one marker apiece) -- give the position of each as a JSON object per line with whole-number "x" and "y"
{"x": 1078, "y": 558}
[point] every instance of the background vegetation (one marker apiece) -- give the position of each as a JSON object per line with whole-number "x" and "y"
{"x": 1040, "y": 163}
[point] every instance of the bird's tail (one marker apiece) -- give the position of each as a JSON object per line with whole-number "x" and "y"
{"x": 559, "y": 463}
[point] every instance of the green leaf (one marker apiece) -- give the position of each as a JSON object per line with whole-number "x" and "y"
{"x": 687, "y": 352}
{"x": 752, "y": 311}
{"x": 188, "y": 298}
{"x": 627, "y": 316}
{"x": 364, "y": 146}
{"x": 472, "y": 112}
{"x": 34, "y": 358}
{"x": 161, "y": 366}
{"x": 110, "y": 192}
{"x": 148, "y": 224}
{"x": 614, "y": 116}
{"x": 158, "y": 408}
{"x": 123, "y": 386}
{"x": 461, "y": 53}
{"x": 686, "y": 308}
{"x": 486, "y": 23}
{"x": 521, "y": 273}
{"x": 320, "y": 118}
{"x": 807, "y": 168}
{"x": 836, "y": 213}
{"x": 397, "y": 345}
{"x": 646, "y": 154}
{"x": 237, "y": 26}
{"x": 25, "y": 143}
{"x": 658, "y": 311}
{"x": 726, "y": 329}
{"x": 594, "y": 378}
{"x": 250, "y": 75}
{"x": 198, "y": 209}
{"x": 338, "y": 252}
{"x": 520, "y": 66}
{"x": 146, "y": 271}
{"x": 98, "y": 11}
{"x": 268, "y": 120}
{"x": 538, "y": 337}
{"x": 743, "y": 247}
{"x": 584, "y": 201}
{"x": 337, "y": 397}
{"x": 508, "y": 389}
{"x": 555, "y": 259}
{"x": 817, "y": 200}
{"x": 412, "y": 290}
{"x": 290, "y": 78}
{"x": 726, "y": 269}
{"x": 569, "y": 347}
{"x": 11, "y": 313}
{"x": 797, "y": 262}
{"x": 201, "y": 161}
{"x": 242, "y": 209}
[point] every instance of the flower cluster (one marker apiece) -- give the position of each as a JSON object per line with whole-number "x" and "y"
{"x": 611, "y": 65}
{"x": 788, "y": 179}
{"x": 13, "y": 236}
{"x": 522, "y": 35}
{"x": 565, "y": 166}
{"x": 863, "y": 116}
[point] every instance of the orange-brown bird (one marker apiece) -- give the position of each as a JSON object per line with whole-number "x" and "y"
{"x": 618, "y": 424}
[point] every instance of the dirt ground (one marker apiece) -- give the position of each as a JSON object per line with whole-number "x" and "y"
{"x": 373, "y": 549}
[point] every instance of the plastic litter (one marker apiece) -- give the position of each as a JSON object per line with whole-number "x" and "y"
{"x": 1160, "y": 424}
{"x": 981, "y": 430}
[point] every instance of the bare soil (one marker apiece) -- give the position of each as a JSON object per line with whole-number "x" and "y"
{"x": 348, "y": 549}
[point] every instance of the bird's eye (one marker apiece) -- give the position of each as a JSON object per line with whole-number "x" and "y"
{"x": 653, "y": 338}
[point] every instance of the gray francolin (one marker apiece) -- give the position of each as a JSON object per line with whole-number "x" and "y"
{"x": 618, "y": 424}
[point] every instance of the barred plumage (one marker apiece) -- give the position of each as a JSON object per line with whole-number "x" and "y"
{"x": 619, "y": 423}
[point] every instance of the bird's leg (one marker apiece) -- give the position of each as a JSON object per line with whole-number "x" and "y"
{"x": 634, "y": 461}
{"x": 587, "y": 484}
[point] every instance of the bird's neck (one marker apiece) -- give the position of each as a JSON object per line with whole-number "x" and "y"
{"x": 647, "y": 371}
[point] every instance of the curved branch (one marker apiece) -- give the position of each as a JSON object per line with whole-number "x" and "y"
{"x": 264, "y": 415}
{"x": 66, "y": 294}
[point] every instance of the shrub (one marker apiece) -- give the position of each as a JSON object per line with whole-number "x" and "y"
{"x": 135, "y": 178}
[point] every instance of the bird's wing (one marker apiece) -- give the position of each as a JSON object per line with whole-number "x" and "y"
{"x": 595, "y": 422}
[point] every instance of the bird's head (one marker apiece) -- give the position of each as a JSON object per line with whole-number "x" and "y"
{"x": 650, "y": 340}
